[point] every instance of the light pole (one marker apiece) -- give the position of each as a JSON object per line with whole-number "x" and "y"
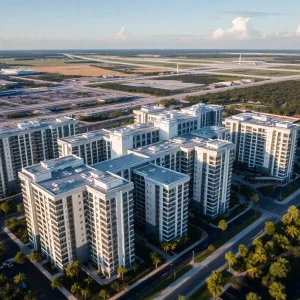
{"x": 171, "y": 269}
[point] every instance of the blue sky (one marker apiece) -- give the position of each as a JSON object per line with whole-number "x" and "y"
{"x": 38, "y": 24}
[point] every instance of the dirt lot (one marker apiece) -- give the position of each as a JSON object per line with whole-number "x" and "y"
{"x": 83, "y": 70}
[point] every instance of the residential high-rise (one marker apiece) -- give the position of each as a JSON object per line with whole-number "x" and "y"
{"x": 74, "y": 211}
{"x": 161, "y": 202}
{"x": 265, "y": 143}
{"x": 26, "y": 144}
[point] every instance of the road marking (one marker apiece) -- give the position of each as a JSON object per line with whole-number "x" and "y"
{"x": 164, "y": 274}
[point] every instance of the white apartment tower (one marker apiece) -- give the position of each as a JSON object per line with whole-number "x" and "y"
{"x": 26, "y": 144}
{"x": 161, "y": 202}
{"x": 266, "y": 143}
{"x": 74, "y": 211}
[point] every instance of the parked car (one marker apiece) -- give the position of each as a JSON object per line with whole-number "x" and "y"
{"x": 8, "y": 262}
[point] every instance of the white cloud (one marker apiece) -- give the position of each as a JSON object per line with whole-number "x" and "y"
{"x": 241, "y": 30}
{"x": 122, "y": 35}
{"x": 285, "y": 34}
{"x": 298, "y": 31}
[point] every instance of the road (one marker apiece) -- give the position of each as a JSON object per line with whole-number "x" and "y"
{"x": 35, "y": 281}
{"x": 274, "y": 212}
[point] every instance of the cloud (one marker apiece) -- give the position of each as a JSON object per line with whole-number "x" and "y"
{"x": 285, "y": 34}
{"x": 252, "y": 14}
{"x": 241, "y": 30}
{"x": 298, "y": 31}
{"x": 122, "y": 35}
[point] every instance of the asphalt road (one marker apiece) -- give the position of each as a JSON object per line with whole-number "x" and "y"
{"x": 213, "y": 235}
{"x": 35, "y": 280}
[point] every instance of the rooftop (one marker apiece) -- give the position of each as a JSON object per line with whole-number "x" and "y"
{"x": 209, "y": 132}
{"x": 129, "y": 129}
{"x": 88, "y": 136}
{"x": 161, "y": 175}
{"x": 32, "y": 125}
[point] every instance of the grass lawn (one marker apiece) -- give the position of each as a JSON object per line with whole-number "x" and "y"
{"x": 19, "y": 228}
{"x": 296, "y": 67}
{"x": 259, "y": 72}
{"x": 12, "y": 208}
{"x": 239, "y": 209}
{"x": 203, "y": 294}
{"x": 166, "y": 282}
{"x": 34, "y": 62}
{"x": 50, "y": 268}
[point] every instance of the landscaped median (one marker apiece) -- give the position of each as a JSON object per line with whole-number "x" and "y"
{"x": 166, "y": 282}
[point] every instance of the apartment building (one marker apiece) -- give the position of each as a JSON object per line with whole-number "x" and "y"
{"x": 265, "y": 143}
{"x": 26, "y": 144}
{"x": 74, "y": 211}
{"x": 161, "y": 202}
{"x": 93, "y": 146}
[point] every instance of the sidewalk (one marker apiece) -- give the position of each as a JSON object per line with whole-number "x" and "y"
{"x": 197, "y": 267}
{"x": 289, "y": 198}
{"x": 93, "y": 273}
{"x": 26, "y": 250}
{"x": 158, "y": 269}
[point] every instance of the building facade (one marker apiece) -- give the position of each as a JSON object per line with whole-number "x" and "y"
{"x": 77, "y": 212}
{"x": 265, "y": 143}
{"x": 26, "y": 144}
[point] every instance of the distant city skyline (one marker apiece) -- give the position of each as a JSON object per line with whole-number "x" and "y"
{"x": 157, "y": 24}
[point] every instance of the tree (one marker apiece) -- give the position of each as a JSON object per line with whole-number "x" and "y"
{"x": 104, "y": 294}
{"x": 260, "y": 255}
{"x": 73, "y": 269}
{"x": 223, "y": 225}
{"x": 231, "y": 259}
{"x": 2, "y": 249}
{"x": 30, "y": 295}
{"x": 281, "y": 240}
{"x": 135, "y": 267}
{"x": 253, "y": 296}
{"x": 243, "y": 250}
{"x": 280, "y": 268}
{"x": 88, "y": 280}
{"x": 292, "y": 231}
{"x": 5, "y": 206}
{"x": 277, "y": 291}
{"x": 115, "y": 285}
{"x": 185, "y": 240}
{"x": 8, "y": 291}
{"x": 56, "y": 283}
{"x": 19, "y": 278}
{"x": 211, "y": 248}
{"x": 180, "y": 297}
{"x": 75, "y": 288}
{"x": 121, "y": 271}
{"x": 36, "y": 256}
{"x": 292, "y": 216}
{"x": 257, "y": 242}
{"x": 165, "y": 246}
{"x": 269, "y": 228}
{"x": 20, "y": 207}
{"x": 253, "y": 272}
{"x": 155, "y": 257}
{"x": 85, "y": 293}
{"x": 20, "y": 258}
{"x": 255, "y": 199}
{"x": 3, "y": 278}
{"x": 214, "y": 284}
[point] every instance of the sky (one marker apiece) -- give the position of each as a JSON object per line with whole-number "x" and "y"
{"x": 144, "y": 24}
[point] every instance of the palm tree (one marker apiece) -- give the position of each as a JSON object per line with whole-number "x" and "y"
{"x": 269, "y": 228}
{"x": 135, "y": 267}
{"x": 121, "y": 271}
{"x": 277, "y": 291}
{"x": 20, "y": 207}
{"x": 30, "y": 295}
{"x": 253, "y": 272}
{"x": 155, "y": 258}
{"x": 88, "y": 280}
{"x": 280, "y": 268}
{"x": 281, "y": 240}
{"x": 231, "y": 259}
{"x": 85, "y": 293}
{"x": 3, "y": 278}
{"x": 165, "y": 246}
{"x": 185, "y": 240}
{"x": 19, "y": 278}
{"x": 255, "y": 199}
{"x": 56, "y": 283}
{"x": 180, "y": 297}
{"x": 73, "y": 269}
{"x": 223, "y": 225}
{"x": 103, "y": 294}
{"x": 257, "y": 242}
{"x": 173, "y": 245}
{"x": 20, "y": 258}
{"x": 5, "y": 207}
{"x": 211, "y": 248}
{"x": 292, "y": 216}
{"x": 243, "y": 250}
{"x": 253, "y": 296}
{"x": 292, "y": 231}
{"x": 214, "y": 284}
{"x": 260, "y": 255}
{"x": 75, "y": 288}
{"x": 2, "y": 249}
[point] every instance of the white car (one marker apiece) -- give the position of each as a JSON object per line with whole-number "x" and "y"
{"x": 8, "y": 262}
